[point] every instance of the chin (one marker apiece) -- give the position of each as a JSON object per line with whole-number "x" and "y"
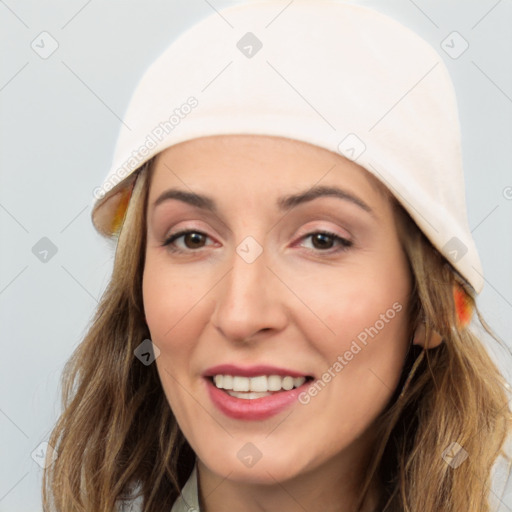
{"x": 265, "y": 471}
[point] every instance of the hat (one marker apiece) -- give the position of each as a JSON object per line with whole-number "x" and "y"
{"x": 337, "y": 75}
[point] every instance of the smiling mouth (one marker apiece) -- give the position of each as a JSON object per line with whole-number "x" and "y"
{"x": 260, "y": 386}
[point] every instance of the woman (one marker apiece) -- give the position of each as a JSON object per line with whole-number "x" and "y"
{"x": 287, "y": 326}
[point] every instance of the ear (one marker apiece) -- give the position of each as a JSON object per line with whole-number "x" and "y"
{"x": 420, "y": 337}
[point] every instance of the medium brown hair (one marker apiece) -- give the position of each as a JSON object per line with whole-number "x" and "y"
{"x": 117, "y": 437}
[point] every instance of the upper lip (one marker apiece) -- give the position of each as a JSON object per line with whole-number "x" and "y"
{"x": 251, "y": 371}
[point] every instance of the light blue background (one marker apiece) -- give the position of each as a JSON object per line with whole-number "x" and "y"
{"x": 59, "y": 124}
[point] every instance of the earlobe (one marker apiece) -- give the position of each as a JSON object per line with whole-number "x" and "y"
{"x": 421, "y": 339}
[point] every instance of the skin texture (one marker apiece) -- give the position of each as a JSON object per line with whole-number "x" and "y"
{"x": 299, "y": 305}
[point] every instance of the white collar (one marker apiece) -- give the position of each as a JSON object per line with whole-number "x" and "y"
{"x": 188, "y": 500}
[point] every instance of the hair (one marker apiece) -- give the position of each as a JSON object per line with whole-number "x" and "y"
{"x": 117, "y": 438}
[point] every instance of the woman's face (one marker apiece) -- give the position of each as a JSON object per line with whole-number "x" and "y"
{"x": 257, "y": 293}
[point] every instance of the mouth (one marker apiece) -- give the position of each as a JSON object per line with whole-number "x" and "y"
{"x": 255, "y": 392}
{"x": 259, "y": 386}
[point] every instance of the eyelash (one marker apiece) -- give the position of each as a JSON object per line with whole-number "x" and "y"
{"x": 345, "y": 244}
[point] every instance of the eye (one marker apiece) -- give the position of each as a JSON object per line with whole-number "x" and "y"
{"x": 324, "y": 240}
{"x": 191, "y": 238}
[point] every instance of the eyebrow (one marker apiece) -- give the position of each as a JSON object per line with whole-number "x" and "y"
{"x": 283, "y": 203}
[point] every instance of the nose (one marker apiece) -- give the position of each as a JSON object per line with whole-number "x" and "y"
{"x": 250, "y": 300}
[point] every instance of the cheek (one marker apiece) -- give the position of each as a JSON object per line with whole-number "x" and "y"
{"x": 369, "y": 339}
{"x": 352, "y": 300}
{"x": 363, "y": 362}
{"x": 365, "y": 330}
{"x": 173, "y": 306}
{"x": 171, "y": 300}
{"x": 169, "y": 296}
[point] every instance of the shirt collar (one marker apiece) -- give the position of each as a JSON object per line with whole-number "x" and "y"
{"x": 188, "y": 500}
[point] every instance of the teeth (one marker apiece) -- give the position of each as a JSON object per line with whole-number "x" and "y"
{"x": 240, "y": 383}
{"x": 298, "y": 381}
{"x": 274, "y": 383}
{"x": 249, "y": 387}
{"x": 258, "y": 383}
{"x": 227, "y": 382}
{"x": 288, "y": 383}
{"x": 248, "y": 396}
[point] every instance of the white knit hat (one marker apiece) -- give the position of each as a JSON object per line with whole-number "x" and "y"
{"x": 330, "y": 73}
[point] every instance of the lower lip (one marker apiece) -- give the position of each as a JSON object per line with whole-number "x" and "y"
{"x": 255, "y": 409}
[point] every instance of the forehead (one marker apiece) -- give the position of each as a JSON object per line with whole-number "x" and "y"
{"x": 265, "y": 161}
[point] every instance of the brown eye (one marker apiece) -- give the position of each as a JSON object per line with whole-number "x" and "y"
{"x": 191, "y": 239}
{"x": 194, "y": 240}
{"x": 324, "y": 240}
